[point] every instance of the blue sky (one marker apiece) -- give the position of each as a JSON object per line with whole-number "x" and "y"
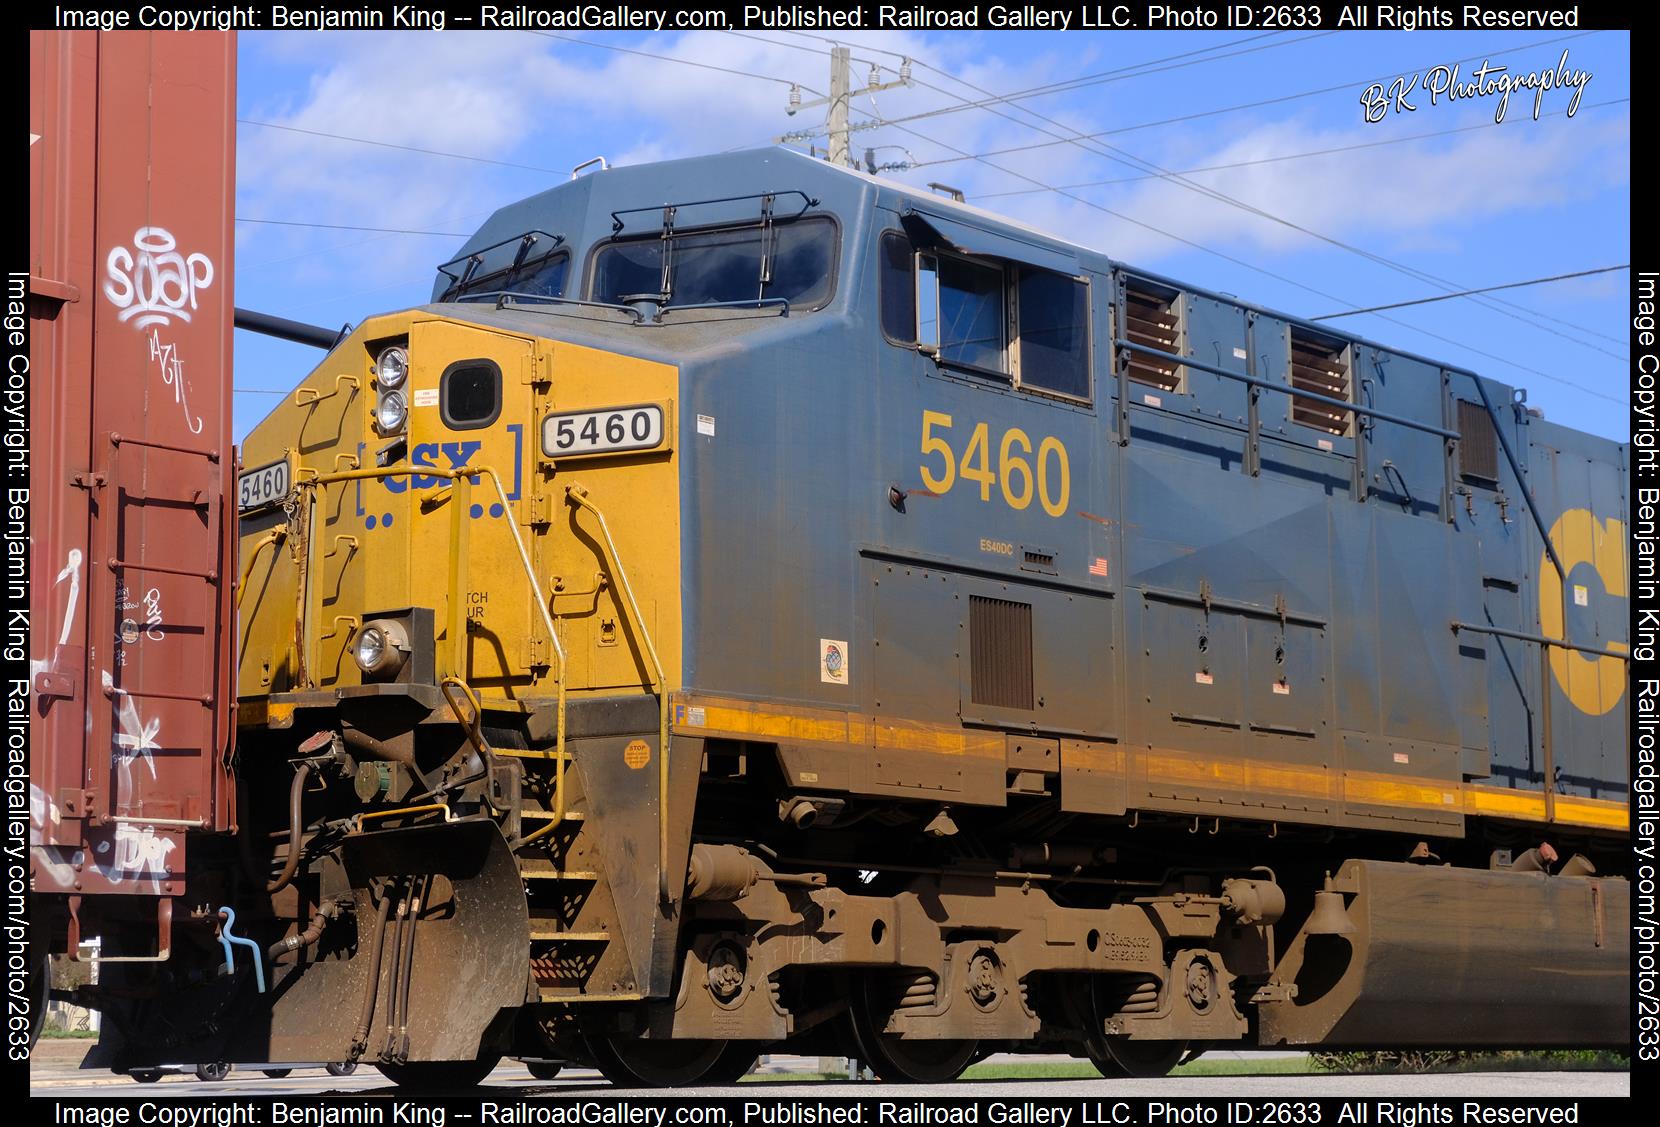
{"x": 1451, "y": 201}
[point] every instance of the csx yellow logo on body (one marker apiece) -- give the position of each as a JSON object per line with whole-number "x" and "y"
{"x": 1016, "y": 475}
{"x": 1593, "y": 684}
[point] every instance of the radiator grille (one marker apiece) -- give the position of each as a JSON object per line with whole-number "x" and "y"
{"x": 1319, "y": 365}
{"x": 1478, "y": 446}
{"x": 1000, "y": 652}
{"x": 1152, "y": 317}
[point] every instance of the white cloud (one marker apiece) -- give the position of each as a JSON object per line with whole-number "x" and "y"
{"x": 513, "y": 97}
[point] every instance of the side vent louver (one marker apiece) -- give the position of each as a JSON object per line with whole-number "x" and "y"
{"x": 1152, "y": 317}
{"x": 1478, "y": 445}
{"x": 1000, "y": 650}
{"x": 1319, "y": 365}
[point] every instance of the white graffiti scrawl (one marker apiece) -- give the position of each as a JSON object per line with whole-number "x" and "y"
{"x": 139, "y": 850}
{"x": 153, "y": 283}
{"x": 167, "y": 359}
{"x": 72, "y": 572}
{"x": 137, "y": 737}
{"x": 152, "y": 615}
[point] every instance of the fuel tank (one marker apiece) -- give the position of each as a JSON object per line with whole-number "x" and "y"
{"x": 1450, "y": 957}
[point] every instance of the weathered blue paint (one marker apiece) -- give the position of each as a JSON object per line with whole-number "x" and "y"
{"x": 789, "y": 535}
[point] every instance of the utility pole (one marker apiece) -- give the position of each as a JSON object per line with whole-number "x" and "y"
{"x": 839, "y": 101}
{"x": 841, "y": 62}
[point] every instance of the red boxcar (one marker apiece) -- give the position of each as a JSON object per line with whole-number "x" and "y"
{"x": 132, "y": 556}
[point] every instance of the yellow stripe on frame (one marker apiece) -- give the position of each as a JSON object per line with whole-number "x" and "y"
{"x": 1165, "y": 765}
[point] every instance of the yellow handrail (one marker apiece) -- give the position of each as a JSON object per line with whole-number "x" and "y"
{"x": 463, "y": 478}
{"x": 579, "y": 496}
{"x": 275, "y": 536}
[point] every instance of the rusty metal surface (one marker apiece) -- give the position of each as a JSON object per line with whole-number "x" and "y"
{"x": 131, "y": 199}
{"x": 1457, "y": 957}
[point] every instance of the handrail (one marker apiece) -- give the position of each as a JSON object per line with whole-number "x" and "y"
{"x": 1538, "y": 639}
{"x": 1287, "y": 389}
{"x": 1521, "y": 482}
{"x": 578, "y": 496}
{"x": 526, "y": 239}
{"x": 462, "y": 478}
{"x": 269, "y": 540}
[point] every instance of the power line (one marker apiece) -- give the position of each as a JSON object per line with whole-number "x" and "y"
{"x": 1262, "y": 269}
{"x": 671, "y": 59}
{"x": 400, "y": 148}
{"x": 351, "y": 227}
{"x": 1343, "y": 86}
{"x": 1135, "y": 70}
{"x": 1294, "y": 156}
{"x": 1533, "y": 316}
{"x": 1467, "y": 293}
{"x": 820, "y": 52}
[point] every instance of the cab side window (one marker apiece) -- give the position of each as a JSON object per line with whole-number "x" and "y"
{"x": 961, "y": 311}
{"x": 1053, "y": 321}
{"x": 897, "y": 288}
{"x": 988, "y": 317}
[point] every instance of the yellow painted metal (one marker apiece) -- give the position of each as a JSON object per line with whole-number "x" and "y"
{"x": 269, "y": 540}
{"x": 506, "y": 651}
{"x": 370, "y": 815}
{"x": 1250, "y": 778}
{"x": 579, "y": 496}
{"x": 1594, "y": 685}
{"x": 306, "y": 396}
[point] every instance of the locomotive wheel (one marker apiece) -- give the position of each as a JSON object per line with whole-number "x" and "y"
{"x": 439, "y": 1075}
{"x": 897, "y": 1059}
{"x": 1119, "y": 1057}
{"x": 737, "y": 1062}
{"x": 544, "y": 1069}
{"x": 629, "y": 1062}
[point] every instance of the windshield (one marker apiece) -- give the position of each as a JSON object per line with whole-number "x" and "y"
{"x": 792, "y": 261}
{"x": 532, "y": 263}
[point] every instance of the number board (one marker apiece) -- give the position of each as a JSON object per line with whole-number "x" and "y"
{"x": 610, "y": 430}
{"x": 263, "y": 486}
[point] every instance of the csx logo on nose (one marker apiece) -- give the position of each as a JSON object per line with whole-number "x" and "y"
{"x": 457, "y": 454}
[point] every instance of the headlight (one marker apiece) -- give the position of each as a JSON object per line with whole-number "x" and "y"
{"x": 392, "y": 367}
{"x": 391, "y": 412}
{"x": 381, "y": 648}
{"x": 371, "y": 650}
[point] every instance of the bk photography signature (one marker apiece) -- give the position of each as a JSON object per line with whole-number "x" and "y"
{"x": 1487, "y": 80}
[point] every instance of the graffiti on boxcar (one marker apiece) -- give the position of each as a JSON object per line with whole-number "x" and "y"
{"x": 137, "y": 736}
{"x": 152, "y": 614}
{"x": 166, "y": 356}
{"x": 153, "y": 282}
{"x": 138, "y": 851}
{"x": 72, "y": 573}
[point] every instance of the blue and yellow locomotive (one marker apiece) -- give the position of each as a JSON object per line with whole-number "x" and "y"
{"x": 758, "y": 604}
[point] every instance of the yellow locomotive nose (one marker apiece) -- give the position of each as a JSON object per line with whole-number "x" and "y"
{"x": 467, "y": 472}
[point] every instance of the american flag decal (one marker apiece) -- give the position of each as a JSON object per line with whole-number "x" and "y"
{"x": 1099, "y": 567}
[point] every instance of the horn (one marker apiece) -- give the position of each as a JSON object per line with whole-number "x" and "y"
{"x": 1578, "y": 866}
{"x": 1537, "y": 860}
{"x": 1329, "y": 916}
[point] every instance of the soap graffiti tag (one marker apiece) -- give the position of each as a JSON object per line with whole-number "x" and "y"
{"x": 154, "y": 282}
